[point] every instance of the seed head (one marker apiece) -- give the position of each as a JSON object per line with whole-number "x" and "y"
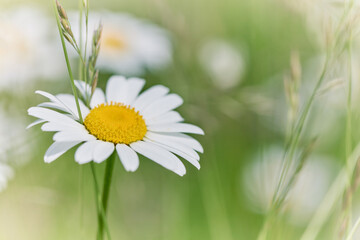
{"x": 95, "y": 81}
{"x": 61, "y": 11}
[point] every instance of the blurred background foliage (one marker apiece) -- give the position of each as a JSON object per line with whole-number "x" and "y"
{"x": 56, "y": 201}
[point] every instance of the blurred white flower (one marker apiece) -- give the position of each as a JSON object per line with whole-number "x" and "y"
{"x": 129, "y": 45}
{"x": 223, "y": 62}
{"x": 6, "y": 173}
{"x": 12, "y": 135}
{"x": 11, "y": 130}
{"x": 27, "y": 49}
{"x": 261, "y": 177}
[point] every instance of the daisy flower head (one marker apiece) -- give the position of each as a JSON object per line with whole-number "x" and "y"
{"x": 121, "y": 120}
{"x": 25, "y": 45}
{"x": 129, "y": 45}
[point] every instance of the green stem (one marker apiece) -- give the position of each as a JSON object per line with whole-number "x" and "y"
{"x": 68, "y": 63}
{"x": 106, "y": 189}
{"x": 98, "y": 201}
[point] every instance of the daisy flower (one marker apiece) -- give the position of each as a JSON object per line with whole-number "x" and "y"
{"x": 25, "y": 47}
{"x": 129, "y": 45}
{"x": 121, "y": 121}
{"x": 262, "y": 175}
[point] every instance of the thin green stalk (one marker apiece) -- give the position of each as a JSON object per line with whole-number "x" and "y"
{"x": 263, "y": 235}
{"x": 68, "y": 63}
{"x": 290, "y": 149}
{"x": 348, "y": 139}
{"x": 351, "y": 234}
{"x": 80, "y": 39}
{"x": 106, "y": 189}
{"x": 85, "y": 69}
{"x": 348, "y": 198}
{"x": 330, "y": 199}
{"x": 99, "y": 208}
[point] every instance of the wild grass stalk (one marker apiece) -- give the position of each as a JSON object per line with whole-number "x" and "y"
{"x": 331, "y": 198}
{"x": 72, "y": 81}
{"x": 347, "y": 209}
{"x": 287, "y": 178}
{"x": 286, "y": 182}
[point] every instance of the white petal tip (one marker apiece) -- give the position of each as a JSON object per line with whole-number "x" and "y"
{"x": 47, "y": 161}
{"x": 82, "y": 163}
{"x": 201, "y": 132}
{"x": 98, "y": 161}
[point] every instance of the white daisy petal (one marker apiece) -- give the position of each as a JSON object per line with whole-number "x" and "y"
{"x": 149, "y": 96}
{"x": 177, "y": 137}
{"x": 173, "y": 144}
{"x": 128, "y": 157}
{"x": 49, "y": 96}
{"x": 70, "y": 102}
{"x": 56, "y": 127}
{"x": 84, "y": 89}
{"x": 97, "y": 98}
{"x": 73, "y": 136}
{"x": 134, "y": 87}
{"x": 169, "y": 117}
{"x": 50, "y": 115}
{"x": 162, "y": 106}
{"x": 160, "y": 156}
{"x": 57, "y": 149}
{"x": 84, "y": 153}
{"x": 116, "y": 89}
{"x": 35, "y": 123}
{"x": 182, "y": 154}
{"x": 53, "y": 106}
{"x": 177, "y": 127}
{"x": 102, "y": 151}
{"x": 58, "y": 104}
{"x": 74, "y": 125}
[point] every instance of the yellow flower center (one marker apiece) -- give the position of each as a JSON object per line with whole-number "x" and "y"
{"x": 115, "y": 123}
{"x": 113, "y": 40}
